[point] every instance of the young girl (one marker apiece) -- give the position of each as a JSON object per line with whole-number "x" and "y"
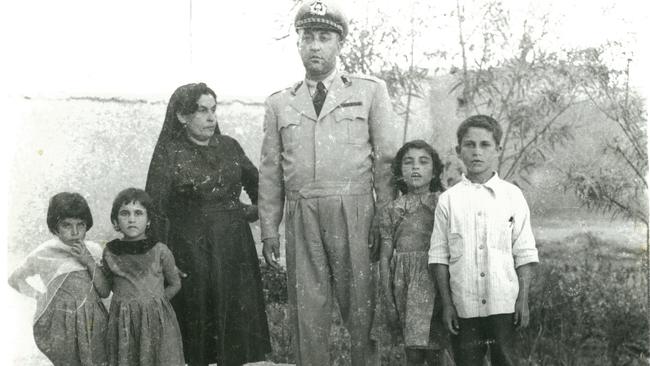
{"x": 70, "y": 320}
{"x": 142, "y": 326}
{"x": 406, "y": 225}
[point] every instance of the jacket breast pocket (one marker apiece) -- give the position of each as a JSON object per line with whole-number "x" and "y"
{"x": 289, "y": 127}
{"x": 354, "y": 121}
{"x": 456, "y": 247}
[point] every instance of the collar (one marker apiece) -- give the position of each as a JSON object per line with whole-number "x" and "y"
{"x": 119, "y": 247}
{"x": 491, "y": 184}
{"x": 311, "y": 84}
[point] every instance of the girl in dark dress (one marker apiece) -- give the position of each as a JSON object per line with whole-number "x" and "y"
{"x": 195, "y": 178}
{"x": 142, "y": 326}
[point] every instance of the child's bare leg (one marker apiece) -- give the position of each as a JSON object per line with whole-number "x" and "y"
{"x": 414, "y": 357}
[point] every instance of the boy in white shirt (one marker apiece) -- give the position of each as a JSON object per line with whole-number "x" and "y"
{"x": 482, "y": 251}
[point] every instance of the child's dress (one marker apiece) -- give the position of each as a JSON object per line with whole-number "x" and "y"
{"x": 70, "y": 320}
{"x": 142, "y": 326}
{"x": 408, "y": 222}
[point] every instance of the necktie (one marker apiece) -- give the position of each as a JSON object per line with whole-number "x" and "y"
{"x": 319, "y": 97}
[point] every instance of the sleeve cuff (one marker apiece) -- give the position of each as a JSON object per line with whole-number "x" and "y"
{"x": 434, "y": 259}
{"x": 522, "y": 260}
{"x": 269, "y": 236}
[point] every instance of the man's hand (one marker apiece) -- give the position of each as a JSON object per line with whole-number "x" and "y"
{"x": 374, "y": 239}
{"x": 450, "y": 318}
{"x": 522, "y": 314}
{"x": 271, "y": 252}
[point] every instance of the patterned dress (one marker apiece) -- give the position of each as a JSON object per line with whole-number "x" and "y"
{"x": 72, "y": 330}
{"x": 70, "y": 320}
{"x": 142, "y": 326}
{"x": 408, "y": 222}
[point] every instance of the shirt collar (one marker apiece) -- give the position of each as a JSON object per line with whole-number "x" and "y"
{"x": 327, "y": 81}
{"x": 492, "y": 184}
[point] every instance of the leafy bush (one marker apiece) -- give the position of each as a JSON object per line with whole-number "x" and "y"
{"x": 588, "y": 307}
{"x": 587, "y": 313}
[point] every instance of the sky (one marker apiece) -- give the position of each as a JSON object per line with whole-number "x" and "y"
{"x": 147, "y": 48}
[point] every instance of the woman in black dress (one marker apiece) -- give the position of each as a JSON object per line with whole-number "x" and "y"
{"x": 196, "y": 177}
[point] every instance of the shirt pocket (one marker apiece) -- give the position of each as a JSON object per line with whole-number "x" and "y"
{"x": 503, "y": 235}
{"x": 456, "y": 247}
{"x": 289, "y": 126}
{"x": 354, "y": 123}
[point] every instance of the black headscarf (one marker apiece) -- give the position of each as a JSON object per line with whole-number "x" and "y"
{"x": 184, "y": 100}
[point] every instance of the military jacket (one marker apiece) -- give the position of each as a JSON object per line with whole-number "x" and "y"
{"x": 347, "y": 149}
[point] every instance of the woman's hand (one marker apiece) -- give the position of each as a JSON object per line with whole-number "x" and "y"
{"x": 251, "y": 213}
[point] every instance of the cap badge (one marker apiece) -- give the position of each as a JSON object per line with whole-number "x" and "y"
{"x": 318, "y": 8}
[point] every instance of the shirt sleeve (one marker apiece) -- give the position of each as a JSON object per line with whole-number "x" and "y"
{"x": 249, "y": 175}
{"x": 439, "y": 248}
{"x": 104, "y": 265}
{"x": 29, "y": 265}
{"x": 170, "y": 271}
{"x": 523, "y": 241}
{"x": 385, "y": 135}
{"x": 271, "y": 190}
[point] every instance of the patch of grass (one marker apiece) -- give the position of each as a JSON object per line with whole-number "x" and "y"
{"x": 588, "y": 306}
{"x": 587, "y": 303}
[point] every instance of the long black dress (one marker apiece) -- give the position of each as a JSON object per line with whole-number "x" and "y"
{"x": 220, "y": 307}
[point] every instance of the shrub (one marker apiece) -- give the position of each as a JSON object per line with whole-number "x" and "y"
{"x": 588, "y": 307}
{"x": 588, "y": 312}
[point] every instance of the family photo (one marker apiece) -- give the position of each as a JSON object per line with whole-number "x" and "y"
{"x": 321, "y": 182}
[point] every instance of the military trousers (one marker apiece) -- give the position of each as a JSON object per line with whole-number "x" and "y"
{"x": 328, "y": 257}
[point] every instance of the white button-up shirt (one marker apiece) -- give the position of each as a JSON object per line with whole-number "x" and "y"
{"x": 483, "y": 233}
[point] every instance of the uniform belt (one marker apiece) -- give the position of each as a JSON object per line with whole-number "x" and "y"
{"x": 329, "y": 189}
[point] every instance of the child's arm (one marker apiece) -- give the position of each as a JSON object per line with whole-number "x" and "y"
{"x": 250, "y": 179}
{"x": 101, "y": 283}
{"x": 525, "y": 257}
{"x": 170, "y": 272}
{"x": 449, "y": 315}
{"x": 386, "y": 254}
{"x": 439, "y": 264}
{"x": 522, "y": 314}
{"x": 17, "y": 280}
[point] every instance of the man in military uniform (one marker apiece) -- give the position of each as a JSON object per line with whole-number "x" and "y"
{"x": 328, "y": 144}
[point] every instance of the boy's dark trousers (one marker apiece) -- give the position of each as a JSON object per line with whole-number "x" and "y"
{"x": 471, "y": 344}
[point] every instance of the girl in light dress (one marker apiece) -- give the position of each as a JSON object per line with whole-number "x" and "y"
{"x": 409, "y": 298}
{"x": 70, "y": 321}
{"x": 142, "y": 325}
